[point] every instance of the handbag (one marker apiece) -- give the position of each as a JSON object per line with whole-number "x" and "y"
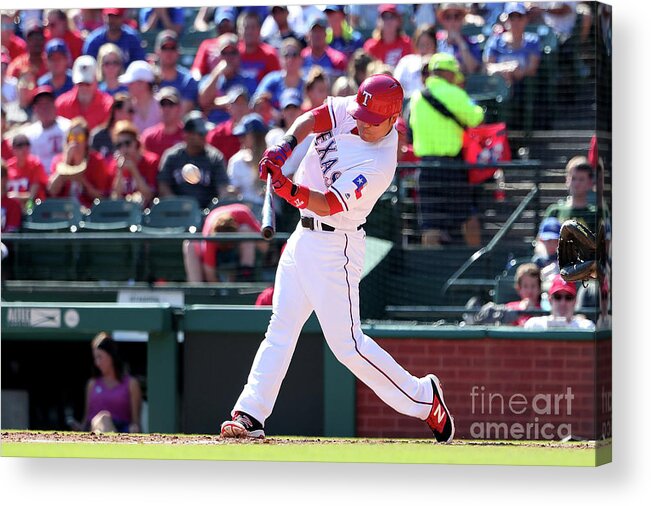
{"x": 481, "y": 144}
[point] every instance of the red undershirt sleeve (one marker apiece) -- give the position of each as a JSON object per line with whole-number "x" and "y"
{"x": 322, "y": 118}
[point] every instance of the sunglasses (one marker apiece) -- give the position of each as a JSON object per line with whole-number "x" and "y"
{"x": 126, "y": 144}
{"x": 78, "y": 138}
{"x": 566, "y": 297}
{"x": 516, "y": 15}
{"x": 22, "y": 145}
{"x": 388, "y": 15}
{"x": 291, "y": 54}
{"x": 168, "y": 48}
{"x": 167, "y": 103}
{"x": 114, "y": 63}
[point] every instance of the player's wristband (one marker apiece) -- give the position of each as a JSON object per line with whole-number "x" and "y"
{"x": 291, "y": 140}
{"x": 297, "y": 195}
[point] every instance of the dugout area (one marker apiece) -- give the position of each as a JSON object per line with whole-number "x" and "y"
{"x": 501, "y": 383}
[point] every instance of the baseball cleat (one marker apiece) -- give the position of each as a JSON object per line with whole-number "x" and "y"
{"x": 440, "y": 420}
{"x": 242, "y": 425}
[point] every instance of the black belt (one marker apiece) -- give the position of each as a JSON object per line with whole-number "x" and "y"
{"x": 308, "y": 222}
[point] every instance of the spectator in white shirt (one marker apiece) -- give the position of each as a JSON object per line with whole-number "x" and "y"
{"x": 562, "y": 297}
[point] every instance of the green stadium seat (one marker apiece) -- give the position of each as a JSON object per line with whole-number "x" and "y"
{"x": 169, "y": 215}
{"x": 114, "y": 215}
{"x": 54, "y": 215}
{"x": 114, "y": 260}
{"x": 50, "y": 260}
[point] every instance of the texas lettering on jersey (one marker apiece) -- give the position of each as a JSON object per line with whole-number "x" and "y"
{"x": 326, "y": 147}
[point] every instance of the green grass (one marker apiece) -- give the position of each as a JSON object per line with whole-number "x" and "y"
{"x": 311, "y": 450}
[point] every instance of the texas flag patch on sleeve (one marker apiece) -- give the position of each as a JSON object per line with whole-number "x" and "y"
{"x": 360, "y": 182}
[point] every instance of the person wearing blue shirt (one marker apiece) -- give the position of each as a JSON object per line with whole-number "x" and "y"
{"x": 515, "y": 55}
{"x": 172, "y": 74}
{"x": 340, "y": 35}
{"x": 117, "y": 32}
{"x": 161, "y": 19}
{"x": 291, "y": 76}
{"x": 59, "y": 77}
{"x": 225, "y": 75}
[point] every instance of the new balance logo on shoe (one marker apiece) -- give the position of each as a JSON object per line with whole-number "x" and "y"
{"x": 440, "y": 420}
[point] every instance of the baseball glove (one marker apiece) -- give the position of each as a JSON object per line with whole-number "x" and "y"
{"x": 576, "y": 252}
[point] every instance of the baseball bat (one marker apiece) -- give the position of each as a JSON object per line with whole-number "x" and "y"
{"x": 268, "y": 215}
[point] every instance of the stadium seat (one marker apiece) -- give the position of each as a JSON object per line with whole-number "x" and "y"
{"x": 54, "y": 215}
{"x": 114, "y": 215}
{"x": 52, "y": 260}
{"x": 169, "y": 215}
{"x": 114, "y": 260}
{"x": 504, "y": 290}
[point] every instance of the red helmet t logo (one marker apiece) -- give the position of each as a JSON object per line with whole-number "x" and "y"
{"x": 367, "y": 95}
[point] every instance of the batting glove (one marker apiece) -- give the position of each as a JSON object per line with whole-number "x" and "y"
{"x": 296, "y": 195}
{"x": 279, "y": 153}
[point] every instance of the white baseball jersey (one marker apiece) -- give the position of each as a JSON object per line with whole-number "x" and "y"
{"x": 357, "y": 172}
{"x": 46, "y": 143}
{"x": 320, "y": 271}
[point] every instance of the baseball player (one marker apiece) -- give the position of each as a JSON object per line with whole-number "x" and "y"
{"x": 350, "y": 163}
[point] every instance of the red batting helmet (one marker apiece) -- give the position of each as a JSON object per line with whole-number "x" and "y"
{"x": 379, "y": 97}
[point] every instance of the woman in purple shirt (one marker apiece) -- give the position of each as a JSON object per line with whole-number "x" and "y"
{"x": 113, "y": 397}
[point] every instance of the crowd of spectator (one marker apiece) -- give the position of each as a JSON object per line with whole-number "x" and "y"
{"x": 90, "y": 110}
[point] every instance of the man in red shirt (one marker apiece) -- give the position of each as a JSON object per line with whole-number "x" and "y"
{"x": 58, "y": 28}
{"x": 27, "y": 177}
{"x": 12, "y": 42}
{"x": 169, "y": 131}
{"x": 85, "y": 99}
{"x": 33, "y": 61}
{"x": 391, "y": 44}
{"x": 202, "y": 257}
{"x": 236, "y": 102}
{"x": 258, "y": 58}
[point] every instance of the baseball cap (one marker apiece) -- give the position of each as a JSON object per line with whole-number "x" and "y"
{"x": 448, "y": 6}
{"x": 444, "y": 61}
{"x": 560, "y": 285}
{"x": 42, "y": 91}
{"x": 249, "y": 124}
{"x": 138, "y": 70}
{"x": 194, "y": 122}
{"x": 168, "y": 93}
{"x": 84, "y": 70}
{"x": 232, "y": 95}
{"x": 225, "y": 14}
{"x": 391, "y": 8}
{"x": 334, "y": 8}
{"x": 319, "y": 20}
{"x": 550, "y": 229}
{"x": 290, "y": 96}
{"x": 56, "y": 46}
{"x": 166, "y": 36}
{"x": 114, "y": 12}
{"x": 518, "y": 7}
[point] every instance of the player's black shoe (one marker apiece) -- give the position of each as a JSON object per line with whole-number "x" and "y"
{"x": 242, "y": 425}
{"x": 440, "y": 420}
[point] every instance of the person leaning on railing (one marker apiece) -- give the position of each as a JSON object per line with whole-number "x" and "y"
{"x": 439, "y": 138}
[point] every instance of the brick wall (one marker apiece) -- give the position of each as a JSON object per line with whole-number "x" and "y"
{"x": 531, "y": 389}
